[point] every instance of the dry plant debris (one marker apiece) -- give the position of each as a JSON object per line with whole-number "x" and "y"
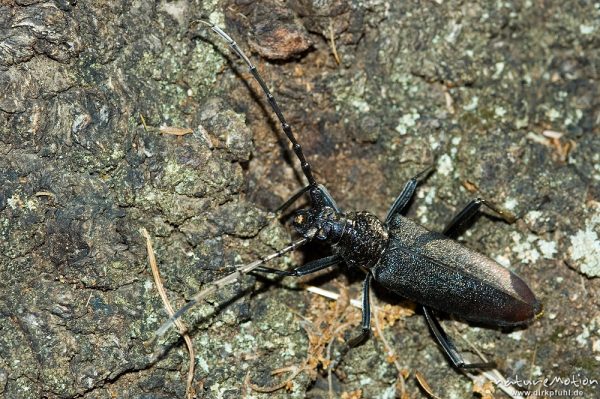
{"x": 189, "y": 390}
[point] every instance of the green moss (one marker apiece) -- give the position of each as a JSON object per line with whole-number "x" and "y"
{"x": 557, "y": 335}
{"x": 587, "y": 363}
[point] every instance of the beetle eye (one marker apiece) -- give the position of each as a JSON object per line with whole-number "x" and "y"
{"x": 303, "y": 223}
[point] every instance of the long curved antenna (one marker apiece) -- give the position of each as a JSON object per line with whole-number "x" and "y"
{"x": 229, "y": 279}
{"x": 287, "y": 129}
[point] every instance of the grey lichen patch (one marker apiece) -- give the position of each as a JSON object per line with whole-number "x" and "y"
{"x": 176, "y": 208}
{"x": 445, "y": 166}
{"x": 407, "y": 122}
{"x": 239, "y": 219}
{"x": 228, "y": 128}
{"x": 188, "y": 172}
{"x": 532, "y": 249}
{"x": 22, "y": 362}
{"x": 585, "y": 243}
{"x": 204, "y": 65}
{"x": 352, "y": 92}
{"x": 166, "y": 68}
{"x": 278, "y": 342}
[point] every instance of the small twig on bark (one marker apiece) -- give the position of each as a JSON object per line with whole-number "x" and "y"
{"x": 189, "y": 390}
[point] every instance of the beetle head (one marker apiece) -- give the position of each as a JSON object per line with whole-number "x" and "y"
{"x": 322, "y": 224}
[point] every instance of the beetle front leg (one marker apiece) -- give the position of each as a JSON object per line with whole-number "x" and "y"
{"x": 291, "y": 200}
{"x": 448, "y": 346}
{"x": 322, "y": 194}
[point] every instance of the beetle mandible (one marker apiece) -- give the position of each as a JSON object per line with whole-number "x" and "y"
{"x": 427, "y": 267}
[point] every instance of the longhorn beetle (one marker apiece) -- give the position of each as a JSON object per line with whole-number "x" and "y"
{"x": 430, "y": 268}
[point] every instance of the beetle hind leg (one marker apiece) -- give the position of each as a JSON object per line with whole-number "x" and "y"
{"x": 448, "y": 346}
{"x": 460, "y": 221}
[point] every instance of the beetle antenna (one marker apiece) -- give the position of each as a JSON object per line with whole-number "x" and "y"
{"x": 287, "y": 129}
{"x": 240, "y": 270}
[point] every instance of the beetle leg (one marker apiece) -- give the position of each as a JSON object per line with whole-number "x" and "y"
{"x": 457, "y": 224}
{"x": 406, "y": 194}
{"x": 366, "y": 314}
{"x": 326, "y": 198}
{"x": 365, "y": 324}
{"x": 291, "y": 200}
{"x": 448, "y": 346}
{"x": 310, "y": 267}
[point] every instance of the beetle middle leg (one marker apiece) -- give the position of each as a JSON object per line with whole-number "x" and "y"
{"x": 365, "y": 324}
{"x": 324, "y": 263}
{"x": 366, "y": 314}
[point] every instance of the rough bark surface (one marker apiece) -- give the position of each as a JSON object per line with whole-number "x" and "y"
{"x": 89, "y": 92}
